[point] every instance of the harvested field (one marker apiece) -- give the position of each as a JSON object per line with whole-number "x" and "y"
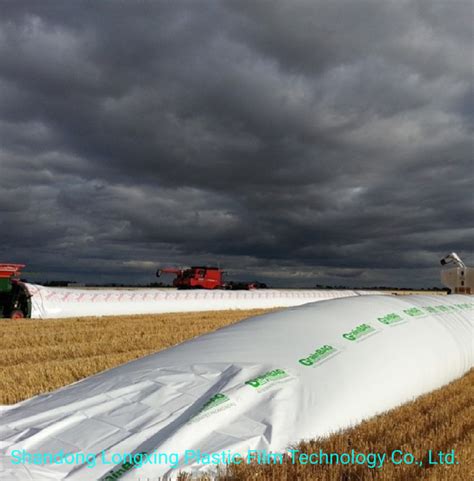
{"x": 41, "y": 355}
{"x": 38, "y": 356}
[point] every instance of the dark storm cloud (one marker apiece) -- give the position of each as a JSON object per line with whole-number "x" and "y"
{"x": 299, "y": 142}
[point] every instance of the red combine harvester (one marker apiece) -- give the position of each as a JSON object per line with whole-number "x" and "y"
{"x": 205, "y": 277}
{"x": 14, "y": 297}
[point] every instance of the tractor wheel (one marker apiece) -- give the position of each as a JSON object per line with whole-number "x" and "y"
{"x": 17, "y": 314}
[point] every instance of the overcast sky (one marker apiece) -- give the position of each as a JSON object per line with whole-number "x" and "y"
{"x": 294, "y": 142}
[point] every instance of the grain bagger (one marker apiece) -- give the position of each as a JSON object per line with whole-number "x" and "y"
{"x": 14, "y": 297}
{"x": 459, "y": 279}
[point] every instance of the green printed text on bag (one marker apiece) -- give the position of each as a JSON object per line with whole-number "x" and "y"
{"x": 269, "y": 376}
{"x": 414, "y": 312}
{"x": 390, "y": 319}
{"x": 360, "y": 331}
{"x": 317, "y": 356}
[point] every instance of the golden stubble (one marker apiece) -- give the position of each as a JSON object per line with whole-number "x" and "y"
{"x": 38, "y": 356}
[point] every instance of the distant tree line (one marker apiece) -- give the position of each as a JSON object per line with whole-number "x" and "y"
{"x": 65, "y": 283}
{"x": 58, "y": 283}
{"x": 383, "y": 288}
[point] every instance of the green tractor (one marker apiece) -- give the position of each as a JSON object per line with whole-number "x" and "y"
{"x": 15, "y": 300}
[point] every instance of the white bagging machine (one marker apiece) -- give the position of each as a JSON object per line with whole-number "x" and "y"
{"x": 457, "y": 276}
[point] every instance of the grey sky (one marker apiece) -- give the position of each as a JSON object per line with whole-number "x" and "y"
{"x": 296, "y": 142}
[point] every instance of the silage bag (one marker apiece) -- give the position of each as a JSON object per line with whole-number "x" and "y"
{"x": 262, "y": 384}
{"x": 60, "y": 302}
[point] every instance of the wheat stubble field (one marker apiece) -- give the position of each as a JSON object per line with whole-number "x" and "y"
{"x": 38, "y": 356}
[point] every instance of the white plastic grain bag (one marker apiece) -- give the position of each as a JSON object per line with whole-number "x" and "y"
{"x": 57, "y": 302}
{"x": 263, "y": 383}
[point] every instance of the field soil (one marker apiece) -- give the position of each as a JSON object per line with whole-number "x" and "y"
{"x": 38, "y": 356}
